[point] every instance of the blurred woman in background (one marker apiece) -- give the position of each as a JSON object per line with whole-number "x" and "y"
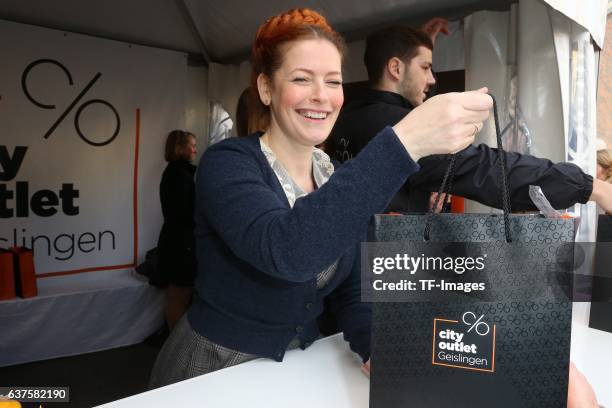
{"x": 176, "y": 257}
{"x": 604, "y": 165}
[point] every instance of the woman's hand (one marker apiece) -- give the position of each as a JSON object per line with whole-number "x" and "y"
{"x": 602, "y": 195}
{"x": 444, "y": 124}
{"x": 580, "y": 394}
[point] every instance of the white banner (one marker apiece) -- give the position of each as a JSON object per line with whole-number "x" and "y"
{"x": 82, "y": 127}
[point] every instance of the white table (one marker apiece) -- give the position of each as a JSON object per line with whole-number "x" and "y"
{"x": 79, "y": 314}
{"x": 328, "y": 374}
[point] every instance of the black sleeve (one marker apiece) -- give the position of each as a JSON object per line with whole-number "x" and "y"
{"x": 477, "y": 177}
{"x": 354, "y": 130}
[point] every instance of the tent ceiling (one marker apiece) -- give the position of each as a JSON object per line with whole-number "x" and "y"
{"x": 221, "y": 31}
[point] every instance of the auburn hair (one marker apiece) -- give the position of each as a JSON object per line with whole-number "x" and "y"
{"x": 267, "y": 50}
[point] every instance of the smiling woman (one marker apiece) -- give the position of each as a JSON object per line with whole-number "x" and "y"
{"x": 306, "y": 94}
{"x": 277, "y": 226}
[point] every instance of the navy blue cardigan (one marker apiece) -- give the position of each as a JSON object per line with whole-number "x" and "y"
{"x": 258, "y": 258}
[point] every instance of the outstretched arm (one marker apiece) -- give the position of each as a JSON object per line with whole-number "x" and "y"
{"x": 477, "y": 177}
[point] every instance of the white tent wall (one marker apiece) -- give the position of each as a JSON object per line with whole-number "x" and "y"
{"x": 591, "y": 15}
{"x": 577, "y": 61}
{"x": 513, "y": 54}
{"x": 88, "y": 298}
{"x": 555, "y": 89}
{"x": 556, "y": 62}
{"x": 196, "y": 107}
{"x": 449, "y": 52}
{"x": 225, "y": 84}
{"x": 487, "y": 63}
{"x": 539, "y": 90}
{"x": 541, "y": 60}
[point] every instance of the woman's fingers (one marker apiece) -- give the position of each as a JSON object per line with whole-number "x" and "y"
{"x": 445, "y": 123}
{"x": 475, "y": 100}
{"x": 463, "y": 136}
{"x": 580, "y": 394}
{"x": 474, "y": 116}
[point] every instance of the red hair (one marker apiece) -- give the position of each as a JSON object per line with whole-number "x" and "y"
{"x": 267, "y": 52}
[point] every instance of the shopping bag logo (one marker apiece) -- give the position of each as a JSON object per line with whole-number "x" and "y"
{"x": 468, "y": 343}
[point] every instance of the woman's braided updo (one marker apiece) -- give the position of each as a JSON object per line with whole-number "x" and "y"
{"x": 267, "y": 49}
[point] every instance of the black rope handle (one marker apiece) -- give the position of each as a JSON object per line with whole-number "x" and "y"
{"x": 504, "y": 176}
{"x": 449, "y": 175}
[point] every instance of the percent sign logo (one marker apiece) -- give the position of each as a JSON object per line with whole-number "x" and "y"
{"x": 77, "y": 116}
{"x": 475, "y": 323}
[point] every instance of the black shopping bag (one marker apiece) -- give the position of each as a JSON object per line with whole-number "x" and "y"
{"x": 457, "y": 345}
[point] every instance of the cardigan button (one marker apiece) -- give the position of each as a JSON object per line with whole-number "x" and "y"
{"x": 299, "y": 329}
{"x": 308, "y": 306}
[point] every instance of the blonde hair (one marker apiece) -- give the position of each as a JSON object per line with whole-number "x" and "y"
{"x": 604, "y": 159}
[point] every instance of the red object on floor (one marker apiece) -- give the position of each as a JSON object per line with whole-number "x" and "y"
{"x": 7, "y": 275}
{"x": 25, "y": 277}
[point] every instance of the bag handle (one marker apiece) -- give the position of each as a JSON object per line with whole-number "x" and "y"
{"x": 449, "y": 175}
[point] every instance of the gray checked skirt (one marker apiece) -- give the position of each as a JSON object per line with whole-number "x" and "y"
{"x": 187, "y": 354}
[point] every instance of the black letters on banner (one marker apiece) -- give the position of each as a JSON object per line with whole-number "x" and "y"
{"x": 10, "y": 165}
{"x": 43, "y": 202}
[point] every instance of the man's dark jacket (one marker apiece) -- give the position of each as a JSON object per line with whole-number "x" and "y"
{"x": 366, "y": 112}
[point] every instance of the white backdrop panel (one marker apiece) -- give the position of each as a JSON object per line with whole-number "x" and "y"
{"x": 78, "y": 210}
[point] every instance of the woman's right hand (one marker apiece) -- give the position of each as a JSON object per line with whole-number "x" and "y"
{"x": 580, "y": 394}
{"x": 444, "y": 124}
